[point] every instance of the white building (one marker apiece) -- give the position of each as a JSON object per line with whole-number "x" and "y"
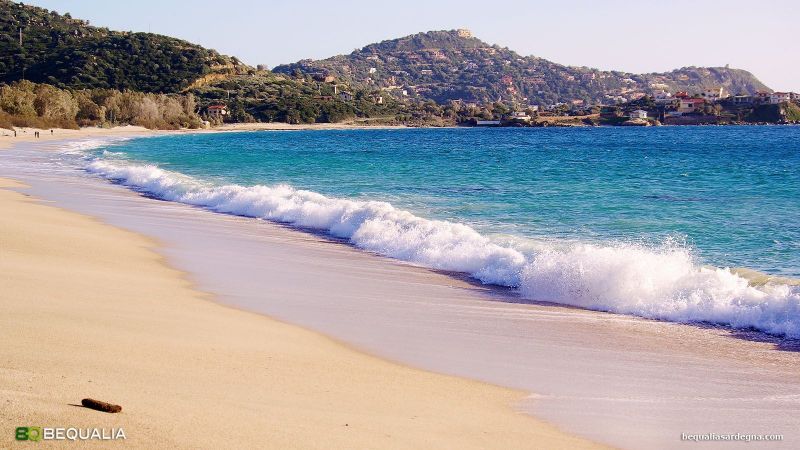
{"x": 638, "y": 114}
{"x": 217, "y": 111}
{"x": 779, "y": 97}
{"x": 661, "y": 95}
{"x": 520, "y": 116}
{"x": 690, "y": 105}
{"x": 713, "y": 95}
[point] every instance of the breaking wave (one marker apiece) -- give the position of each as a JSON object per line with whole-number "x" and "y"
{"x": 664, "y": 282}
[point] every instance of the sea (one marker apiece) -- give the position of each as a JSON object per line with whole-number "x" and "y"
{"x": 682, "y": 224}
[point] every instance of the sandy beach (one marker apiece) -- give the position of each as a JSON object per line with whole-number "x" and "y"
{"x": 94, "y": 311}
{"x": 25, "y": 134}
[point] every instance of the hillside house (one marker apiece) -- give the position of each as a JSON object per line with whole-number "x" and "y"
{"x": 520, "y": 116}
{"x": 217, "y": 111}
{"x": 743, "y": 99}
{"x": 690, "y": 105}
{"x": 662, "y": 96}
{"x": 638, "y": 114}
{"x": 713, "y": 95}
{"x": 779, "y": 97}
{"x": 345, "y": 96}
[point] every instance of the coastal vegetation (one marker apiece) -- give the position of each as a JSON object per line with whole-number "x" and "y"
{"x": 24, "y": 103}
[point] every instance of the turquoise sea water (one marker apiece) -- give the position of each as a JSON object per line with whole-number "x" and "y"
{"x": 584, "y": 216}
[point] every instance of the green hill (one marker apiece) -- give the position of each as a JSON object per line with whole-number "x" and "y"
{"x": 453, "y": 65}
{"x": 69, "y": 53}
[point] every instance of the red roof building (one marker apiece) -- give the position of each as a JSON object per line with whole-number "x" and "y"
{"x": 217, "y": 110}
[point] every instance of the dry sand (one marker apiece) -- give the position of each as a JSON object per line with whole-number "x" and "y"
{"x": 7, "y": 138}
{"x": 92, "y": 311}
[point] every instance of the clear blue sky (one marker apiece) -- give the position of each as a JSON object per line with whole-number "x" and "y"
{"x": 635, "y": 36}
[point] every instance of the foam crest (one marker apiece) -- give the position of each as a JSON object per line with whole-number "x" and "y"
{"x": 83, "y": 146}
{"x": 661, "y": 283}
{"x": 371, "y": 225}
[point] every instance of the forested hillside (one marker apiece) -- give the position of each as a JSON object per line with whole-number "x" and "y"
{"x": 69, "y": 53}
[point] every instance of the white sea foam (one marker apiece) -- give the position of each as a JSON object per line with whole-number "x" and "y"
{"x": 663, "y": 283}
{"x": 82, "y": 146}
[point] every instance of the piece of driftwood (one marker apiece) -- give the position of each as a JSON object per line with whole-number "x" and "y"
{"x": 101, "y": 406}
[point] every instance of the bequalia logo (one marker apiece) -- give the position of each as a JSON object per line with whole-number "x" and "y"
{"x": 36, "y": 434}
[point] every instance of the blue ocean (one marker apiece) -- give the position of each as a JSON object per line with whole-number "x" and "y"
{"x": 688, "y": 224}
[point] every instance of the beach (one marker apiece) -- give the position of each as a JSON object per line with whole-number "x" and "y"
{"x": 209, "y": 328}
{"x": 94, "y": 311}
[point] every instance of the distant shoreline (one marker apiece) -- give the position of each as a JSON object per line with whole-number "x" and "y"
{"x": 24, "y": 134}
